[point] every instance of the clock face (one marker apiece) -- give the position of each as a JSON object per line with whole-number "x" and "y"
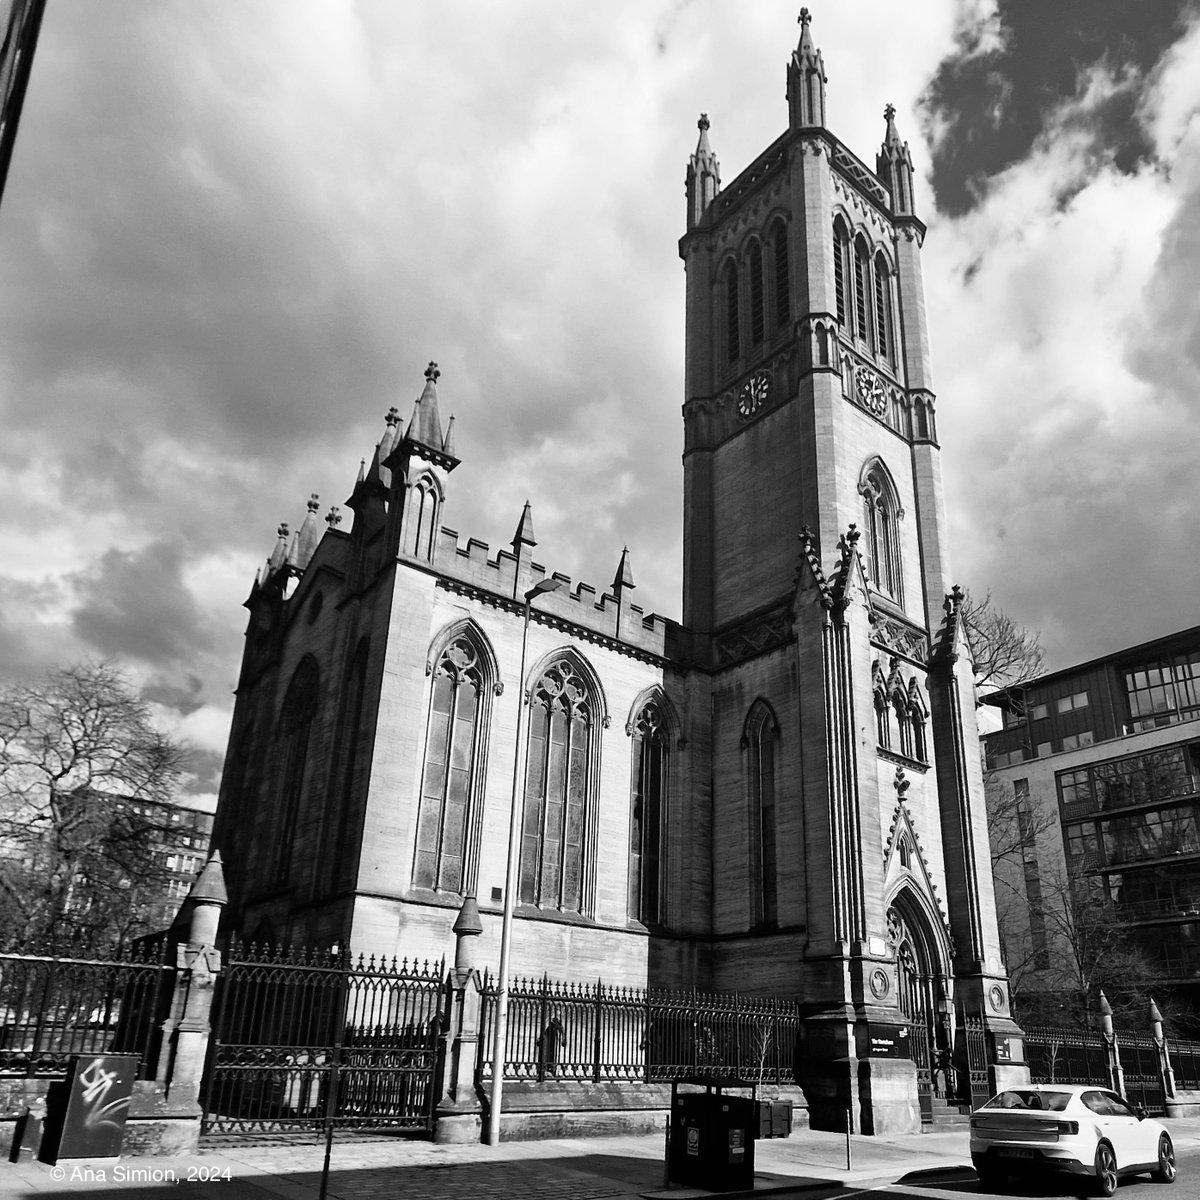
{"x": 871, "y": 393}
{"x": 754, "y": 394}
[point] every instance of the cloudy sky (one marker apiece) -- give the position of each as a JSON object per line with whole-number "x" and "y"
{"x": 234, "y": 234}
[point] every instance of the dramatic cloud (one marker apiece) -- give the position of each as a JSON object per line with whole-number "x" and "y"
{"x": 234, "y": 235}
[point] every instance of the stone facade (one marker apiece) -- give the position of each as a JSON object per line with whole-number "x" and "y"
{"x": 782, "y": 794}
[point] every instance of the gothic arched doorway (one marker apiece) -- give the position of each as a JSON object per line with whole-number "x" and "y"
{"x": 923, "y": 991}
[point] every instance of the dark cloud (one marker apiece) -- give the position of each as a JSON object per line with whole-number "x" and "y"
{"x": 989, "y": 105}
{"x": 136, "y": 607}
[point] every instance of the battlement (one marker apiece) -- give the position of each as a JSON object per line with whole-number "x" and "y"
{"x": 610, "y": 615}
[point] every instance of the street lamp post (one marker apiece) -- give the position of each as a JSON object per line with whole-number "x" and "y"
{"x": 510, "y": 873}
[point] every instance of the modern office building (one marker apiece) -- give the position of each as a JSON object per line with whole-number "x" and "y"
{"x": 1105, "y": 758}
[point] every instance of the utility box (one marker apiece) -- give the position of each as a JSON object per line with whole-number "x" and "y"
{"x": 711, "y": 1134}
{"x": 86, "y": 1112}
{"x": 774, "y": 1118}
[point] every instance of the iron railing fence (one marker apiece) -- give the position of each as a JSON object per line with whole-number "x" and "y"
{"x": 1185, "y": 1062}
{"x": 52, "y": 1007}
{"x": 1142, "y": 1071}
{"x": 286, "y": 1022}
{"x": 597, "y": 1032}
{"x": 1064, "y": 1054}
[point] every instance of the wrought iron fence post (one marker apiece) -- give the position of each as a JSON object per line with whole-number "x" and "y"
{"x": 543, "y": 1026}
{"x": 596, "y": 1032}
{"x": 1163, "y": 1050}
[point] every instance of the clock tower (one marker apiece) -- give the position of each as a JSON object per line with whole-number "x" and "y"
{"x": 851, "y": 864}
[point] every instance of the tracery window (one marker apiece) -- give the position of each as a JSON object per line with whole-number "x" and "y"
{"x": 561, "y": 724}
{"x": 451, "y": 761}
{"x": 862, "y": 285}
{"x": 648, "y": 816}
{"x": 762, "y": 732}
{"x": 425, "y": 499}
{"x": 881, "y": 514}
{"x": 295, "y": 725}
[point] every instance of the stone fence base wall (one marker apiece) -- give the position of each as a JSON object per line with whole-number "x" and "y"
{"x": 559, "y": 1109}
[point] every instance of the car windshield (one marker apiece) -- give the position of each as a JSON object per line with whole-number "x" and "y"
{"x": 1028, "y": 1098}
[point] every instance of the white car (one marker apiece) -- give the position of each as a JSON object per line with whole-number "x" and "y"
{"x": 1077, "y": 1129}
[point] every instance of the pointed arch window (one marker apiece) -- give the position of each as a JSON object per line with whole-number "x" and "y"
{"x": 733, "y": 347}
{"x": 295, "y": 726}
{"x": 881, "y": 515}
{"x": 648, "y": 814}
{"x": 758, "y": 301}
{"x": 883, "y": 725}
{"x": 883, "y": 308}
{"x": 841, "y": 246}
{"x": 903, "y": 723}
{"x": 425, "y": 499}
{"x": 453, "y": 768}
{"x": 783, "y": 289}
{"x": 762, "y": 733}
{"x": 862, "y": 276}
{"x": 558, "y": 784}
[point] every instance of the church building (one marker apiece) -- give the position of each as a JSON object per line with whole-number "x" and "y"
{"x": 781, "y": 795}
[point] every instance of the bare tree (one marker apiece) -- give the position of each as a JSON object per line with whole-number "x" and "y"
{"x": 1066, "y": 943}
{"x": 1004, "y": 653}
{"x": 1015, "y": 822}
{"x": 84, "y": 781}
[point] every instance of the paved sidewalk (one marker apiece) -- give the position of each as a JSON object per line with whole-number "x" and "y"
{"x": 618, "y": 1168}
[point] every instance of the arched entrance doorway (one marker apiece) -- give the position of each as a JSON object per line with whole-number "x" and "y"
{"x": 924, "y": 995}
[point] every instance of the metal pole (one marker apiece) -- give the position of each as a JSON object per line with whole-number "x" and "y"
{"x": 501, "y": 1018}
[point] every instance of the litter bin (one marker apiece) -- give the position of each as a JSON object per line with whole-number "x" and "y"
{"x": 711, "y": 1134}
{"x": 86, "y": 1112}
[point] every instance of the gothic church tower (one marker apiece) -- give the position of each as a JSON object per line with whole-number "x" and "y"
{"x": 848, "y": 826}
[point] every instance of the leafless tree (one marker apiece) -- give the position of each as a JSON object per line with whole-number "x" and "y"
{"x": 84, "y": 778}
{"x": 1015, "y": 822}
{"x": 1004, "y": 653}
{"x": 1067, "y": 943}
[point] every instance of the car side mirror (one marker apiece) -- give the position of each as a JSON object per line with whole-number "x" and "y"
{"x": 1140, "y": 1112}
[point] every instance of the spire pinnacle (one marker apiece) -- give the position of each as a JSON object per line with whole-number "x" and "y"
{"x": 448, "y": 444}
{"x": 894, "y": 166}
{"x": 806, "y": 80}
{"x": 703, "y": 176}
{"x": 425, "y": 427}
{"x": 280, "y": 553}
{"x": 624, "y": 575}
{"x": 524, "y": 535}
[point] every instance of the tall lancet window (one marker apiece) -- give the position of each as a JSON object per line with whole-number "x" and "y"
{"x": 762, "y": 732}
{"x": 841, "y": 251}
{"x": 883, "y": 308}
{"x": 425, "y": 498}
{"x": 862, "y": 283}
{"x": 648, "y": 815}
{"x": 881, "y": 515}
{"x": 783, "y": 288}
{"x": 562, "y": 716}
{"x": 452, "y": 760}
{"x": 295, "y": 725}
{"x": 733, "y": 316}
{"x": 758, "y": 299}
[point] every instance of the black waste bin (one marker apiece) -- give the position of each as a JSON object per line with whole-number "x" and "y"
{"x": 712, "y": 1134}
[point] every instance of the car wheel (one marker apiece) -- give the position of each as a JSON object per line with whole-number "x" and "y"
{"x": 1166, "y": 1171}
{"x": 1106, "y": 1169}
